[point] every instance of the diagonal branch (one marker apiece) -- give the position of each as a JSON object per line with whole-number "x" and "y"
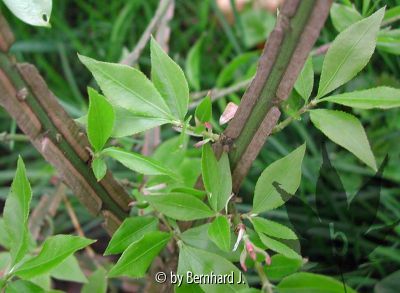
{"x": 297, "y": 28}
{"x": 26, "y": 97}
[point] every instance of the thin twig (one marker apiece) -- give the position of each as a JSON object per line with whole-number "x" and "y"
{"x": 6, "y": 137}
{"x": 217, "y": 93}
{"x": 47, "y": 206}
{"x": 133, "y": 56}
{"x": 77, "y": 226}
{"x": 152, "y": 137}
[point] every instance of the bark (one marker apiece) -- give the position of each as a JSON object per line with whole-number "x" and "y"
{"x": 297, "y": 28}
{"x": 26, "y": 97}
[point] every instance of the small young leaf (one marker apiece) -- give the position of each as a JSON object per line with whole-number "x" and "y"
{"x": 99, "y": 168}
{"x": 32, "y": 12}
{"x": 286, "y": 172}
{"x": 97, "y": 282}
{"x": 343, "y": 16}
{"x": 16, "y": 212}
{"x": 136, "y": 259}
{"x": 201, "y": 262}
{"x": 278, "y": 247}
{"x": 55, "y": 250}
{"x": 220, "y": 233}
{"x": 282, "y": 266}
{"x": 204, "y": 110}
{"x": 345, "y": 130}
{"x": 131, "y": 230}
{"x": 305, "y": 81}
{"x": 349, "y": 53}
{"x": 128, "y": 88}
{"x": 178, "y": 206}
{"x": 69, "y": 270}
{"x": 382, "y": 97}
{"x": 192, "y": 66}
{"x": 216, "y": 177}
{"x": 309, "y": 282}
{"x": 137, "y": 162}
{"x": 170, "y": 81}
{"x": 272, "y": 228}
{"x": 100, "y": 121}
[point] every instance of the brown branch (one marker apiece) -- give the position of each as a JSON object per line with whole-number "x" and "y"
{"x": 26, "y": 97}
{"x": 297, "y": 28}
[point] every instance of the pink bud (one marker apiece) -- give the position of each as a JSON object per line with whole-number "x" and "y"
{"x": 200, "y": 143}
{"x": 268, "y": 260}
{"x": 243, "y": 256}
{"x": 208, "y": 125}
{"x": 228, "y": 113}
{"x": 250, "y": 249}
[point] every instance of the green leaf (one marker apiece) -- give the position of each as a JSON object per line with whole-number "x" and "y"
{"x": 305, "y": 81}
{"x": 55, "y": 250}
{"x": 183, "y": 207}
{"x": 192, "y": 66}
{"x": 343, "y": 16}
{"x": 216, "y": 177}
{"x": 23, "y": 286}
{"x": 32, "y": 12}
{"x": 16, "y": 212}
{"x": 278, "y": 247}
{"x": 382, "y": 97}
{"x": 272, "y": 228}
{"x": 97, "y": 282}
{"x": 349, "y": 53}
{"x": 170, "y": 81}
{"x": 99, "y": 168}
{"x": 130, "y": 231}
{"x": 129, "y": 123}
{"x": 311, "y": 283}
{"x": 200, "y": 194}
{"x": 388, "y": 284}
{"x": 100, "y": 121}
{"x": 204, "y": 110}
{"x": 69, "y": 270}
{"x": 392, "y": 14}
{"x": 136, "y": 259}
{"x": 4, "y": 239}
{"x": 282, "y": 266}
{"x": 220, "y": 233}
{"x": 345, "y": 130}
{"x": 198, "y": 238}
{"x": 137, "y": 162}
{"x": 128, "y": 88}
{"x": 201, "y": 262}
{"x": 286, "y": 172}
{"x": 389, "y": 41}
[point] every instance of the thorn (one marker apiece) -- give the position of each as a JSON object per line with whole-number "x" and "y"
{"x": 45, "y": 143}
{"x": 22, "y": 94}
{"x": 58, "y": 137}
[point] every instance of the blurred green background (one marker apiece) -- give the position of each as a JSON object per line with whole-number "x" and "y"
{"x": 219, "y": 49}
